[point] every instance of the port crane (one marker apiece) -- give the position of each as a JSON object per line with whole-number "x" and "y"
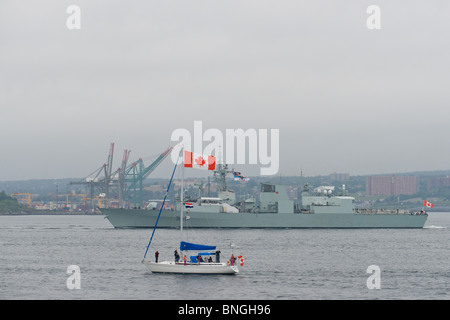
{"x": 135, "y": 174}
{"x": 22, "y": 200}
{"x": 126, "y": 182}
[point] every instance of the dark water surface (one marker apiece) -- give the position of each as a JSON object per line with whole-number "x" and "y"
{"x": 278, "y": 264}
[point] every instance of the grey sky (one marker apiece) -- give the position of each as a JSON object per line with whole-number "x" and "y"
{"x": 345, "y": 98}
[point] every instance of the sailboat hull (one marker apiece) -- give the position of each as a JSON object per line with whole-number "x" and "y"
{"x": 190, "y": 268}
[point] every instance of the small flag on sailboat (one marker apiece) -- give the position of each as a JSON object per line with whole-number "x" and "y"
{"x": 188, "y": 205}
{"x": 241, "y": 259}
{"x": 428, "y": 204}
{"x": 194, "y": 160}
{"x": 239, "y": 177}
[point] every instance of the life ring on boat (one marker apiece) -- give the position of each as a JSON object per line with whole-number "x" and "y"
{"x": 228, "y": 262}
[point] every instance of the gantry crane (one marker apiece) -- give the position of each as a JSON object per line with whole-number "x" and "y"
{"x": 127, "y": 180}
{"x": 102, "y": 183}
{"x": 26, "y": 199}
{"x": 136, "y": 173}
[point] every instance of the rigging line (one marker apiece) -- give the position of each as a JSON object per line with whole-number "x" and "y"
{"x": 162, "y": 206}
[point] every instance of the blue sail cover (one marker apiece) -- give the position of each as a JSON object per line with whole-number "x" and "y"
{"x": 192, "y": 246}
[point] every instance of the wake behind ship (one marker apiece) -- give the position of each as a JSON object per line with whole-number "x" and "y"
{"x": 274, "y": 210}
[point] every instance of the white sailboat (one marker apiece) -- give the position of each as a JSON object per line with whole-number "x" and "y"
{"x": 190, "y": 264}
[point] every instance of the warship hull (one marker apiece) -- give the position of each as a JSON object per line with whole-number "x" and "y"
{"x": 134, "y": 218}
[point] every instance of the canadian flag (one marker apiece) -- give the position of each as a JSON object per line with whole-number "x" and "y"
{"x": 428, "y": 204}
{"x": 194, "y": 160}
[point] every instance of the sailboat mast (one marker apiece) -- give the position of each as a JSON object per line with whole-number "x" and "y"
{"x": 182, "y": 194}
{"x": 162, "y": 206}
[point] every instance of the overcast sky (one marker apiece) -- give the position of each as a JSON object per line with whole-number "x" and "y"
{"x": 345, "y": 98}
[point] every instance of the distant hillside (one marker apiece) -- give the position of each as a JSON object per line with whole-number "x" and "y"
{"x": 56, "y": 190}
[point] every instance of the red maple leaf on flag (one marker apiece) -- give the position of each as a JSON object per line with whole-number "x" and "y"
{"x": 200, "y": 161}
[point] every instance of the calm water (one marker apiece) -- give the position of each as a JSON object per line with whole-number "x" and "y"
{"x": 278, "y": 264}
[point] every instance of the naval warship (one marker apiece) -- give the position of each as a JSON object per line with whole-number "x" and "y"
{"x": 273, "y": 210}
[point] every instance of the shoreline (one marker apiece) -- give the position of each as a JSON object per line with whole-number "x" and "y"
{"x": 51, "y": 213}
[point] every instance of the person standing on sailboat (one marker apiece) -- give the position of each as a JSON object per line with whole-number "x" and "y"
{"x": 218, "y": 256}
{"x": 232, "y": 259}
{"x": 156, "y": 256}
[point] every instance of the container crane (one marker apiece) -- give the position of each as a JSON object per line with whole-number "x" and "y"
{"x": 121, "y": 175}
{"x": 127, "y": 179}
{"x": 137, "y": 172}
{"x": 93, "y": 180}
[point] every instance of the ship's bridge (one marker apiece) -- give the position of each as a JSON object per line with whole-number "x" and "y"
{"x": 274, "y": 199}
